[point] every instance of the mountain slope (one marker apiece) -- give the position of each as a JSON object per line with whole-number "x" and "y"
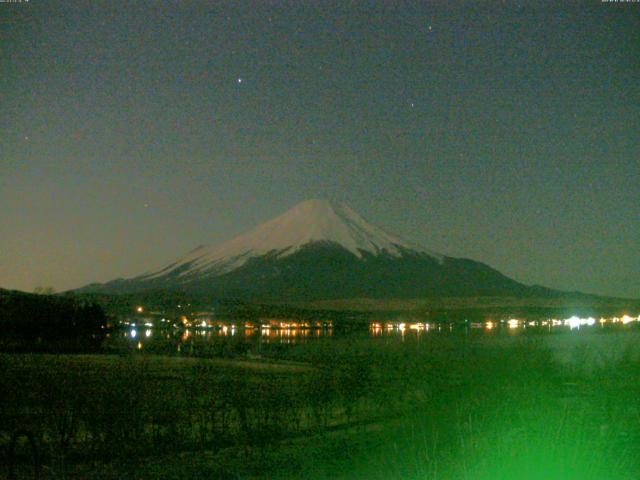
{"x": 320, "y": 250}
{"x": 309, "y": 222}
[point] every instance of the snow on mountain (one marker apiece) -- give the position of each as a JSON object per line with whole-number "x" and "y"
{"x": 319, "y": 250}
{"x": 308, "y": 222}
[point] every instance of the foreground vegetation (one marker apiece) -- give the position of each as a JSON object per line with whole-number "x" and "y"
{"x": 446, "y": 408}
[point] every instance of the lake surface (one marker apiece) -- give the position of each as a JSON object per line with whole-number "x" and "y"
{"x": 569, "y": 338}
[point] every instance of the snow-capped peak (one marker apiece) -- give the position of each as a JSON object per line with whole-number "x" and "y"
{"x": 307, "y": 222}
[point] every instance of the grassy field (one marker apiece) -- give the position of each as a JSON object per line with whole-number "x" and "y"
{"x": 446, "y": 408}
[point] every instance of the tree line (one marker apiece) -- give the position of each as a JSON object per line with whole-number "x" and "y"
{"x": 42, "y": 319}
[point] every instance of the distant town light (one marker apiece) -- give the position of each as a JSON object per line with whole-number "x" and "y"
{"x": 626, "y": 319}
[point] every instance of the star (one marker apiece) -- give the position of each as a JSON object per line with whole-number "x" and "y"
{"x": 412, "y": 104}
{"x": 430, "y": 28}
{"x": 239, "y": 80}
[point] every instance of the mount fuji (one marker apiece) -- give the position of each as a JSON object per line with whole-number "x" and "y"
{"x": 321, "y": 250}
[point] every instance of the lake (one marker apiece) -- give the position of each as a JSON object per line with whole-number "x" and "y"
{"x": 601, "y": 337}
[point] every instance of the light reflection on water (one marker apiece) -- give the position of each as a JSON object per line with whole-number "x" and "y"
{"x": 199, "y": 335}
{"x": 292, "y": 332}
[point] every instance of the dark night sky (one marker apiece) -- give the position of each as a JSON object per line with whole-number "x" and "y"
{"x": 133, "y": 131}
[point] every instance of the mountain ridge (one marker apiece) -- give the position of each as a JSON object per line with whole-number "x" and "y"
{"x": 322, "y": 250}
{"x": 310, "y": 221}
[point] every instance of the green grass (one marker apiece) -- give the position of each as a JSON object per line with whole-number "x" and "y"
{"x": 447, "y": 408}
